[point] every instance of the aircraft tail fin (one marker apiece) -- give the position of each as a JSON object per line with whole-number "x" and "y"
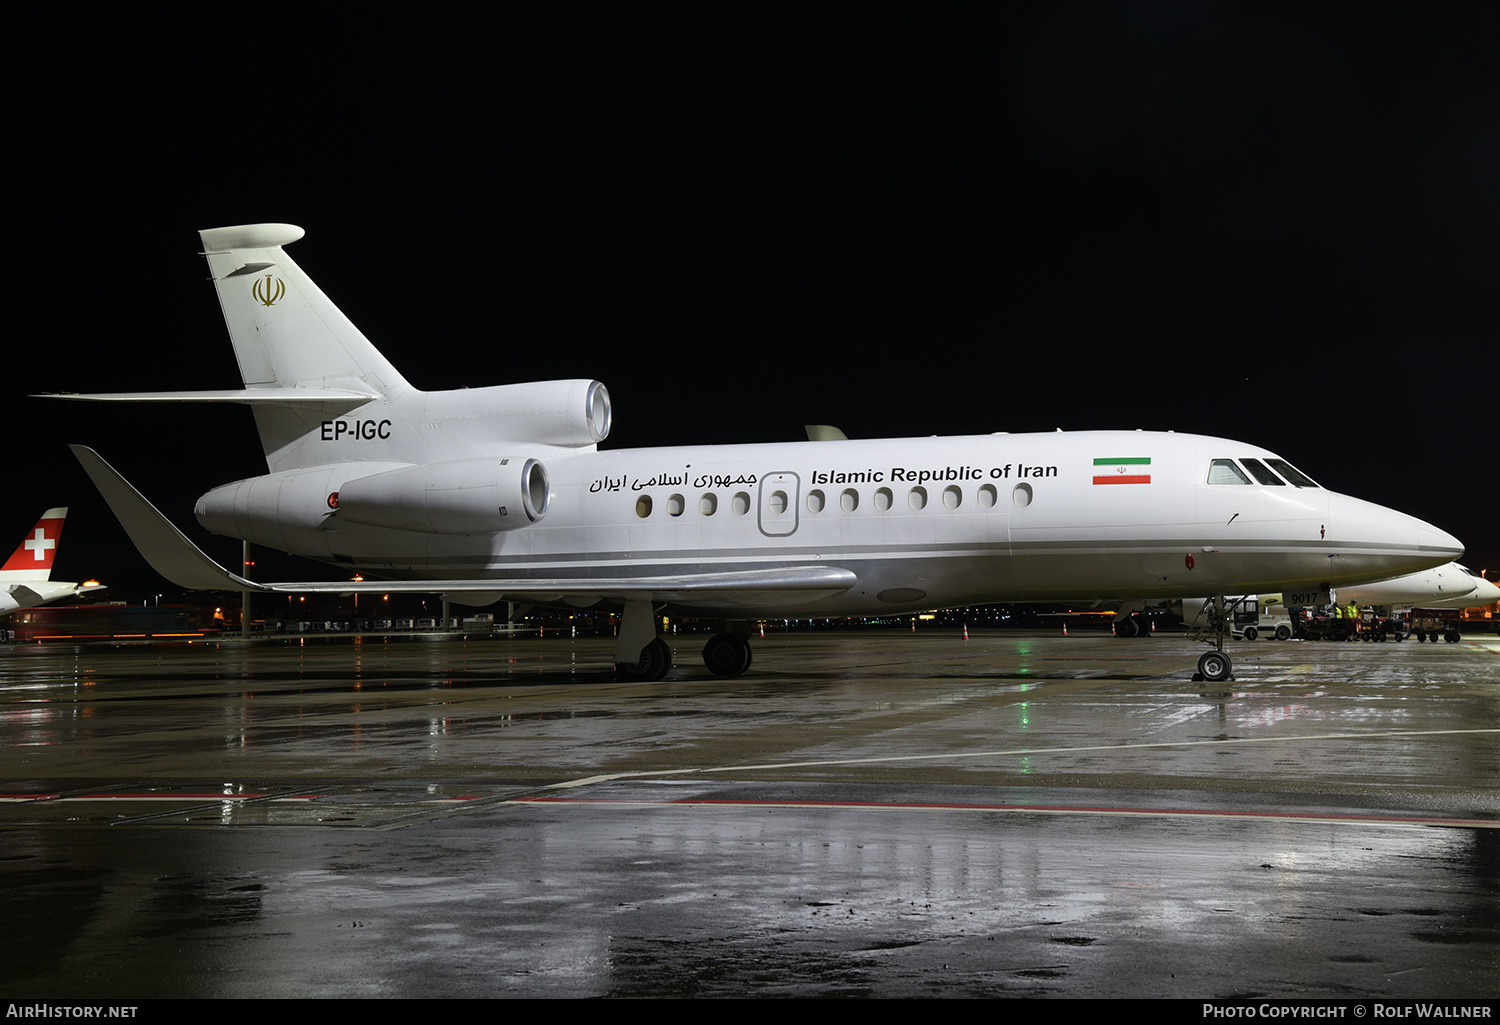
{"x": 32, "y": 559}
{"x": 291, "y": 340}
{"x": 322, "y": 394}
{"x": 286, "y": 332}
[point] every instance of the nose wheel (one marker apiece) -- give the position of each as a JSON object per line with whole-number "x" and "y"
{"x": 1214, "y": 666}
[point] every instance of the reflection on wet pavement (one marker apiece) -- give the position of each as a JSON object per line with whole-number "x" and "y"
{"x": 862, "y": 814}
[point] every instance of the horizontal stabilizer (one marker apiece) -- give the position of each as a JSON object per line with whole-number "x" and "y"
{"x": 249, "y": 236}
{"x": 25, "y": 597}
{"x": 333, "y": 400}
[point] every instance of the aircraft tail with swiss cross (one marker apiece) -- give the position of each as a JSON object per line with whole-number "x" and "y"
{"x": 32, "y": 559}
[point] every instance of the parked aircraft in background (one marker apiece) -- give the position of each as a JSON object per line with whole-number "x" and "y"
{"x": 26, "y": 578}
{"x": 502, "y": 492}
{"x": 1444, "y": 587}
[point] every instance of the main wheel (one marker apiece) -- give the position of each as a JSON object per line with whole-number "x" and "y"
{"x": 654, "y": 663}
{"x": 1214, "y": 666}
{"x": 727, "y": 655}
{"x": 1127, "y": 627}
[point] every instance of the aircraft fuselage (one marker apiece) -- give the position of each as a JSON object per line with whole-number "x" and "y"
{"x": 920, "y": 522}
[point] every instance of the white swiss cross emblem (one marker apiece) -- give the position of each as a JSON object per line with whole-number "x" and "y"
{"x": 39, "y": 544}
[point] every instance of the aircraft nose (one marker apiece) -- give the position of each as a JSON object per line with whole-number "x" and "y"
{"x": 1384, "y": 539}
{"x": 1433, "y": 544}
{"x": 1439, "y": 541}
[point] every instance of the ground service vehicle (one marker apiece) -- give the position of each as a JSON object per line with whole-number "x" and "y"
{"x": 1257, "y": 615}
{"x": 1429, "y": 624}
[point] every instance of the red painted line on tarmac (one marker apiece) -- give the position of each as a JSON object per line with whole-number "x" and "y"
{"x": 155, "y": 797}
{"x": 162, "y": 797}
{"x": 1051, "y": 809}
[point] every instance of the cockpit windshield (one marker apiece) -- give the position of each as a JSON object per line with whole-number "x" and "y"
{"x": 1292, "y": 474}
{"x": 1227, "y": 471}
{"x": 1263, "y": 475}
{"x": 1223, "y": 471}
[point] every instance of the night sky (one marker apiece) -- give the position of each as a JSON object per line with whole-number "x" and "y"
{"x": 1278, "y": 223}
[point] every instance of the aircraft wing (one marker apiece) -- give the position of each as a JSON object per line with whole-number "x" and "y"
{"x": 175, "y": 557}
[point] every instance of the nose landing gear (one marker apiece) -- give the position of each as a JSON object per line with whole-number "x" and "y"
{"x": 1214, "y": 666}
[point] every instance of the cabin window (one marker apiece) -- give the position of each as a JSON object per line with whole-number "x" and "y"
{"x": 1261, "y": 474}
{"x": 643, "y": 506}
{"x": 1223, "y": 471}
{"x": 815, "y": 501}
{"x": 1020, "y": 495}
{"x": 953, "y": 496}
{"x": 778, "y": 502}
{"x": 1291, "y": 473}
{"x": 917, "y": 498}
{"x": 849, "y": 500}
{"x": 884, "y": 499}
{"x": 987, "y": 496}
{"x": 708, "y": 504}
{"x": 740, "y": 503}
{"x": 675, "y": 505}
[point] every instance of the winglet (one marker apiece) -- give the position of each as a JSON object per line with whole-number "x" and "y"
{"x": 161, "y": 544}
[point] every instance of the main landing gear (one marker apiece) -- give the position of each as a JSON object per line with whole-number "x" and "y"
{"x": 643, "y": 657}
{"x": 1214, "y": 666}
{"x": 654, "y": 662}
{"x": 727, "y": 654}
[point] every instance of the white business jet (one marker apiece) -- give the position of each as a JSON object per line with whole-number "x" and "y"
{"x": 26, "y": 577}
{"x": 502, "y": 492}
{"x": 1446, "y": 587}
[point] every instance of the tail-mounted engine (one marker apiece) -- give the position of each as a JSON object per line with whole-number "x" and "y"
{"x": 459, "y": 496}
{"x": 572, "y": 414}
{"x": 462, "y": 496}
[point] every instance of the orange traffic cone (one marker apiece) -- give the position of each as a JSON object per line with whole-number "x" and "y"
{"x": 966, "y": 631}
{"x": 1065, "y": 628}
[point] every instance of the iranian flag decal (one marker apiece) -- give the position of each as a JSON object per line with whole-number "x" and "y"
{"x": 1126, "y": 470}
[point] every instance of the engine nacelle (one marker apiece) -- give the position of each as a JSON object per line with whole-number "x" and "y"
{"x": 568, "y": 413}
{"x": 287, "y": 510}
{"x": 460, "y": 496}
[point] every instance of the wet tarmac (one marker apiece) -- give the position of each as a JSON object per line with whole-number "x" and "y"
{"x": 862, "y": 814}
